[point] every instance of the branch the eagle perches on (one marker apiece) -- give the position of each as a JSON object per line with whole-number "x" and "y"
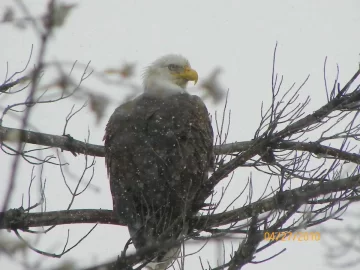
{"x": 20, "y": 219}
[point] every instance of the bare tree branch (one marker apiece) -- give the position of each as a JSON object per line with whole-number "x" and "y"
{"x": 19, "y": 219}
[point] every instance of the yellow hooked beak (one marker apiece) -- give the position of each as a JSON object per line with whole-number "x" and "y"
{"x": 189, "y": 74}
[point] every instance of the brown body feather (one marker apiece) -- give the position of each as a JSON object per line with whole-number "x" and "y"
{"x": 158, "y": 151}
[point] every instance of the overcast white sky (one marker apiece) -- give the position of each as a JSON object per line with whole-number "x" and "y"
{"x": 238, "y": 36}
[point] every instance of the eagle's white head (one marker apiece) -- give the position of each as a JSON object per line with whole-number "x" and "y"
{"x": 168, "y": 74}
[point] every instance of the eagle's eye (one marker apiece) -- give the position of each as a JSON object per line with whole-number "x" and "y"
{"x": 173, "y": 67}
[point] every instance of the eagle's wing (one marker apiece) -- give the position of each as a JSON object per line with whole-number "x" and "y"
{"x": 158, "y": 152}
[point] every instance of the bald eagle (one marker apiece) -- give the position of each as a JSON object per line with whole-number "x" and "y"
{"x": 158, "y": 151}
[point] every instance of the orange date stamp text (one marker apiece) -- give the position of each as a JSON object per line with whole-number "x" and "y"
{"x": 292, "y": 236}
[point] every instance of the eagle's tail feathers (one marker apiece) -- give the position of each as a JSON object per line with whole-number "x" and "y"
{"x": 166, "y": 260}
